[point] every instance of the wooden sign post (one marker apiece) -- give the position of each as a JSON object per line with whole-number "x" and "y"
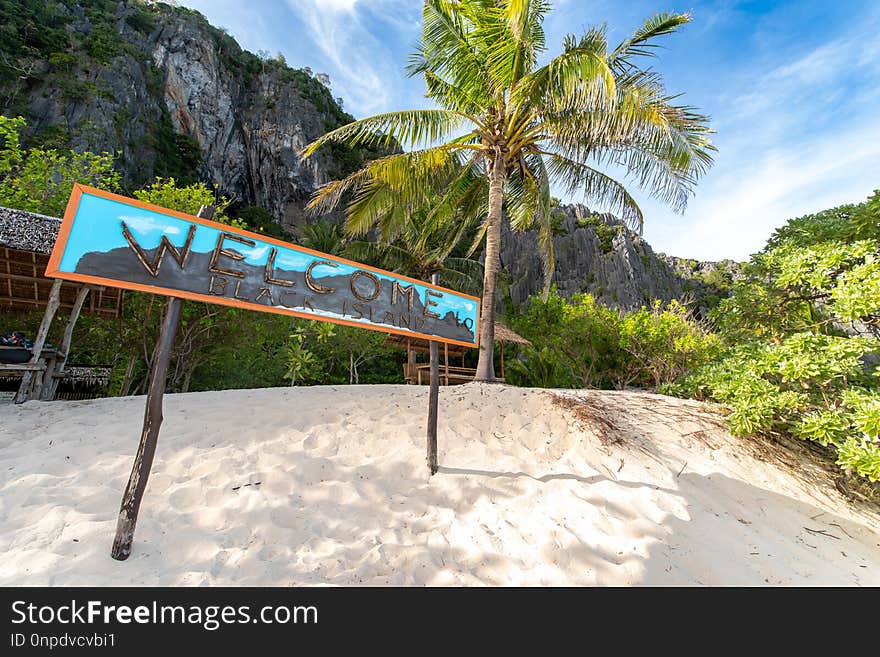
{"x": 111, "y": 240}
{"x": 433, "y": 396}
{"x": 143, "y": 460}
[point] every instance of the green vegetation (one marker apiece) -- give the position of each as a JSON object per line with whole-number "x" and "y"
{"x": 605, "y": 233}
{"x": 418, "y": 247}
{"x": 802, "y": 336}
{"x": 507, "y": 126}
{"x": 40, "y": 180}
{"x": 258, "y": 220}
{"x": 791, "y": 343}
{"x": 323, "y": 236}
{"x": 583, "y": 344}
{"x": 46, "y": 46}
{"x": 190, "y": 199}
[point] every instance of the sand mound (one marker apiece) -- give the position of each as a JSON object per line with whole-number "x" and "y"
{"x": 328, "y": 485}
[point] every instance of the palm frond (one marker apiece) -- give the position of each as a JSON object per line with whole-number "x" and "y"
{"x": 448, "y": 49}
{"x": 595, "y": 186}
{"x": 639, "y": 44}
{"x": 408, "y": 128}
{"x": 512, "y": 34}
{"x": 579, "y": 77}
{"x": 462, "y": 274}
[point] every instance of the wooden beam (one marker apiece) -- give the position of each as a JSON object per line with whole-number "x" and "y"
{"x": 143, "y": 460}
{"x": 53, "y": 377}
{"x": 8, "y": 270}
{"x": 433, "y": 395}
{"x": 23, "y": 278}
{"x": 24, "y": 390}
{"x": 22, "y": 367}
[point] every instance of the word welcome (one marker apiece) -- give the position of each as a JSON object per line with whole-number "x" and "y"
{"x": 116, "y": 241}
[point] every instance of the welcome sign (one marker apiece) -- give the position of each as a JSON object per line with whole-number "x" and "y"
{"x": 117, "y": 241}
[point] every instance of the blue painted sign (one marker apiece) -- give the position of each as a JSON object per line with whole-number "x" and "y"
{"x": 117, "y": 241}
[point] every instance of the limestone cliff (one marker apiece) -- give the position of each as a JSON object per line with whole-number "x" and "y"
{"x": 174, "y": 96}
{"x": 598, "y": 254}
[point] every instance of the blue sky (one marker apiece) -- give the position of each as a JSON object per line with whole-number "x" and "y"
{"x": 793, "y": 89}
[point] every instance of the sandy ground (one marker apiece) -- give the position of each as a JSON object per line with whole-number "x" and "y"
{"x": 328, "y": 485}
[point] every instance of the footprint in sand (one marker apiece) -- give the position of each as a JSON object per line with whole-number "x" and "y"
{"x": 310, "y": 442}
{"x": 219, "y": 563}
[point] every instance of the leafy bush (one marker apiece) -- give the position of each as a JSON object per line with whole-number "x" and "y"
{"x": 142, "y": 19}
{"x": 802, "y": 334}
{"x": 258, "y": 220}
{"x": 167, "y": 194}
{"x": 40, "y": 180}
{"x": 663, "y": 343}
{"x": 604, "y": 232}
{"x": 581, "y": 343}
{"x": 103, "y": 42}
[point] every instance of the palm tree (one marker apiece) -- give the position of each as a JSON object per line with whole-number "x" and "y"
{"x": 415, "y": 246}
{"x": 506, "y": 127}
{"x": 323, "y": 236}
{"x": 420, "y": 248}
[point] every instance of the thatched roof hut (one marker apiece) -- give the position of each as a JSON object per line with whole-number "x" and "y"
{"x": 503, "y": 335}
{"x": 26, "y": 242}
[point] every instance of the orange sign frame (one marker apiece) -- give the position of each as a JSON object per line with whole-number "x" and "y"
{"x": 53, "y": 270}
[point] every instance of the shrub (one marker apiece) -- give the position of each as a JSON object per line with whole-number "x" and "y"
{"x": 664, "y": 343}
{"x": 801, "y": 329}
{"x": 40, "y": 180}
{"x": 581, "y": 343}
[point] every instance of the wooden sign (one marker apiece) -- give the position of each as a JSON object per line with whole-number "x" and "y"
{"x": 121, "y": 242}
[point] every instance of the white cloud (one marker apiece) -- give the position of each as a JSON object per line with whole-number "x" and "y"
{"x": 797, "y": 130}
{"x": 363, "y": 70}
{"x": 740, "y": 204}
{"x": 257, "y": 255}
{"x": 146, "y": 224}
{"x": 801, "y": 138}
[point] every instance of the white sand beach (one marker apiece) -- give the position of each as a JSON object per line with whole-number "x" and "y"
{"x": 328, "y": 486}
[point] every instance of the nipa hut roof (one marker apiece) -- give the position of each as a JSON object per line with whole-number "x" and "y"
{"x": 504, "y": 334}
{"x": 26, "y": 241}
{"x": 28, "y": 231}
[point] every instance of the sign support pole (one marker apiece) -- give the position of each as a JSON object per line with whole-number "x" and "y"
{"x": 433, "y": 398}
{"x": 143, "y": 461}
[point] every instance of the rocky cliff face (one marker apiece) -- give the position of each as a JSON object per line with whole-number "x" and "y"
{"x": 175, "y": 96}
{"x": 250, "y": 131}
{"x": 597, "y": 254}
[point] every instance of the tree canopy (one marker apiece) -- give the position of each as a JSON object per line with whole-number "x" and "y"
{"x": 505, "y": 126}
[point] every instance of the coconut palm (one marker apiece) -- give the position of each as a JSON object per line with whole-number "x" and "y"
{"x": 420, "y": 248}
{"x": 323, "y": 236}
{"x": 415, "y": 246}
{"x": 505, "y": 127}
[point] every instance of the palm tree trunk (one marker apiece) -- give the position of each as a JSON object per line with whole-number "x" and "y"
{"x": 486, "y": 362}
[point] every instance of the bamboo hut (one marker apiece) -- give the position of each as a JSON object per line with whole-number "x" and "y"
{"x": 417, "y": 373}
{"x": 26, "y": 241}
